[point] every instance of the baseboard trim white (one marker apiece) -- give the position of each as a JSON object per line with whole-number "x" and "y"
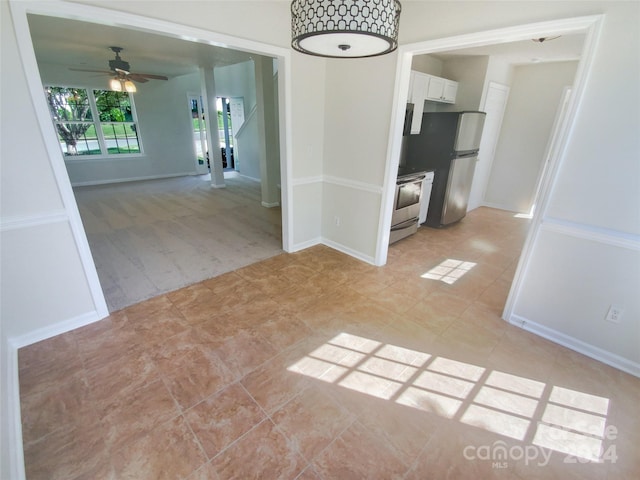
{"x": 349, "y": 251}
{"x": 579, "y": 346}
{"x": 55, "y": 329}
{"x": 132, "y": 179}
{"x": 308, "y": 244}
{"x": 270, "y": 205}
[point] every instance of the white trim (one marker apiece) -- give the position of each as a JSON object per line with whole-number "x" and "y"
{"x": 499, "y": 206}
{"x": 17, "y": 222}
{"x": 296, "y": 182}
{"x": 136, "y": 179}
{"x": 573, "y": 343}
{"x": 307, "y": 244}
{"x": 349, "y": 251}
{"x": 594, "y": 234}
{"x": 12, "y": 398}
{"x": 346, "y": 182}
{"x": 590, "y": 24}
{"x": 270, "y": 205}
{"x": 593, "y": 27}
{"x": 55, "y": 329}
{"x": 340, "y": 181}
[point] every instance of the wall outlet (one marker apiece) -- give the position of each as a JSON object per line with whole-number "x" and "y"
{"x": 336, "y": 220}
{"x": 614, "y": 314}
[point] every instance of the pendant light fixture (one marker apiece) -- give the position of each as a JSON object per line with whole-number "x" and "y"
{"x": 345, "y": 28}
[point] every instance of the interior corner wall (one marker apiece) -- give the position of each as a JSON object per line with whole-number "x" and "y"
{"x": 470, "y": 73}
{"x": 533, "y": 103}
{"x": 357, "y": 121}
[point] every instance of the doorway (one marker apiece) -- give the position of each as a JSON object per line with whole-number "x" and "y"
{"x": 138, "y": 25}
{"x": 586, "y": 25}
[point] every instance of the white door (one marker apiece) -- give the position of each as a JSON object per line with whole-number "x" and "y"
{"x": 494, "y": 106}
{"x": 236, "y": 106}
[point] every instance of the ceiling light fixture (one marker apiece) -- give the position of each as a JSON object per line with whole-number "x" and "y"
{"x": 122, "y": 84}
{"x": 345, "y": 28}
{"x": 545, "y": 39}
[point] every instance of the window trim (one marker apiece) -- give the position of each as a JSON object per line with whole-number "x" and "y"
{"x": 97, "y": 123}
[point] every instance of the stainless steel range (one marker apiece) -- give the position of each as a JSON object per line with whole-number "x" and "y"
{"x": 406, "y": 205}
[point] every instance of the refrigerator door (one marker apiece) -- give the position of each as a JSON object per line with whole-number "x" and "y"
{"x": 469, "y": 131}
{"x": 458, "y": 189}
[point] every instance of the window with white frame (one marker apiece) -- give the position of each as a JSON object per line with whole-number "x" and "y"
{"x": 93, "y": 122}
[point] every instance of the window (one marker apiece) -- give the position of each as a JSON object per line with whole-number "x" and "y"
{"x": 93, "y": 122}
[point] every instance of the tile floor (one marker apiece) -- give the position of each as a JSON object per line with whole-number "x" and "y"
{"x": 317, "y": 366}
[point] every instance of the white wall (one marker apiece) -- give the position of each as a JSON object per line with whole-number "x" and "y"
{"x": 536, "y": 91}
{"x": 237, "y": 80}
{"x": 470, "y": 73}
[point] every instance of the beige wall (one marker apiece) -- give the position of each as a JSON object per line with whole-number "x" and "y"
{"x": 536, "y": 92}
{"x": 340, "y": 125}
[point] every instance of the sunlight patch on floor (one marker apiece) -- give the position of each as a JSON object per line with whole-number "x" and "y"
{"x": 449, "y": 271}
{"x": 520, "y": 408}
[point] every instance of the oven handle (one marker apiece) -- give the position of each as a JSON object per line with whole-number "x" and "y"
{"x": 412, "y": 179}
{"x": 405, "y": 224}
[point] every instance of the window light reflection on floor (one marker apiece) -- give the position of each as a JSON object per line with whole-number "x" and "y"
{"x": 449, "y": 271}
{"x": 544, "y": 415}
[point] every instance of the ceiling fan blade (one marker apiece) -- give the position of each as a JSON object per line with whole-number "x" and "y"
{"x": 108, "y": 72}
{"x": 137, "y": 78}
{"x": 151, "y": 76}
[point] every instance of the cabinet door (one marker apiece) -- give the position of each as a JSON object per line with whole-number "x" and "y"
{"x": 418, "y": 90}
{"x": 450, "y": 91}
{"x": 435, "y": 89}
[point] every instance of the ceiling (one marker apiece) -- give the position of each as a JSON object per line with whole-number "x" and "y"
{"x": 80, "y": 44}
{"x": 564, "y": 48}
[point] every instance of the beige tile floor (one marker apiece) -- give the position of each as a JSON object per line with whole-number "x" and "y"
{"x": 317, "y": 366}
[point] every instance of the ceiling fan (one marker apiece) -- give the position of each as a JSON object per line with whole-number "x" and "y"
{"x": 123, "y": 77}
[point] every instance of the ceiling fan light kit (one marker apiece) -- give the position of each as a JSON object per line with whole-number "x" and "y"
{"x": 345, "y": 28}
{"x": 123, "y": 78}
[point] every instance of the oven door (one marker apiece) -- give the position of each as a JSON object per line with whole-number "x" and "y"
{"x": 407, "y": 200}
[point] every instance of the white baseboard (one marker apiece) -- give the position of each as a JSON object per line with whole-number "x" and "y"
{"x": 348, "y": 251}
{"x": 132, "y": 179}
{"x": 308, "y": 244}
{"x": 55, "y": 329}
{"x": 579, "y": 346}
{"x": 270, "y": 205}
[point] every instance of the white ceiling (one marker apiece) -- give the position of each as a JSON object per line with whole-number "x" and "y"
{"x": 564, "y": 48}
{"x": 79, "y": 44}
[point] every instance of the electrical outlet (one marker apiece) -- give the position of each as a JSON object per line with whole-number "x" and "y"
{"x": 336, "y": 220}
{"x": 614, "y": 314}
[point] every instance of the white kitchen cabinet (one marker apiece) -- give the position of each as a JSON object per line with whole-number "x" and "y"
{"x": 441, "y": 90}
{"x": 419, "y": 84}
{"x": 424, "y": 87}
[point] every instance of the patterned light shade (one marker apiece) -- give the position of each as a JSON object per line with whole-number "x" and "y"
{"x": 345, "y": 28}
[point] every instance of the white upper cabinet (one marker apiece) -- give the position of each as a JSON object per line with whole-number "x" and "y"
{"x": 441, "y": 90}
{"x": 428, "y": 87}
{"x": 417, "y": 92}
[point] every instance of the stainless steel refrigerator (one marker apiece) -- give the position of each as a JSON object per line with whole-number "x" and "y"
{"x": 448, "y": 144}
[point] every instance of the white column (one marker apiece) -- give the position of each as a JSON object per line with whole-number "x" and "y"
{"x": 267, "y": 116}
{"x": 208, "y": 86}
